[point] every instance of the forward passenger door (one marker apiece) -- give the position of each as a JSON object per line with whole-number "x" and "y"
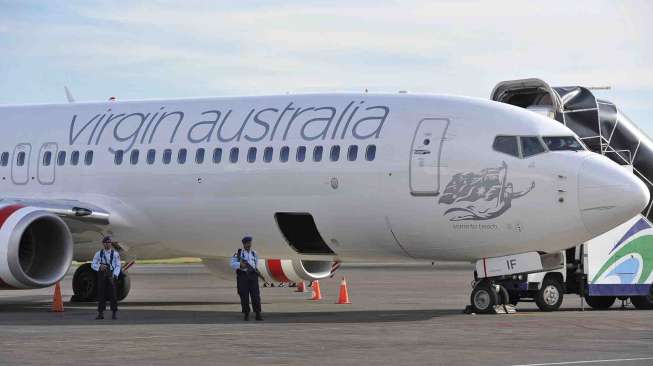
{"x": 425, "y": 157}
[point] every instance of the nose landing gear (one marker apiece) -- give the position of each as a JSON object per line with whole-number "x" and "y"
{"x": 489, "y": 298}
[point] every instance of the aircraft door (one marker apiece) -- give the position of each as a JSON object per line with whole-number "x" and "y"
{"x": 20, "y": 164}
{"x": 425, "y": 155}
{"x": 46, "y": 163}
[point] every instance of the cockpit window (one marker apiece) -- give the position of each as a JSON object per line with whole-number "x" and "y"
{"x": 506, "y": 145}
{"x": 559, "y": 143}
{"x": 531, "y": 145}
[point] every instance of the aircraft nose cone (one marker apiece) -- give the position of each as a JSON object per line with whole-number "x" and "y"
{"x": 608, "y": 194}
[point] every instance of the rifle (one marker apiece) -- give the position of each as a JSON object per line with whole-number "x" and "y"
{"x": 249, "y": 266}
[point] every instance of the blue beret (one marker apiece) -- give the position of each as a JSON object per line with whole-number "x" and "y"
{"x": 247, "y": 239}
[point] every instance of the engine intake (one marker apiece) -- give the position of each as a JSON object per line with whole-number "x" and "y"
{"x": 36, "y": 247}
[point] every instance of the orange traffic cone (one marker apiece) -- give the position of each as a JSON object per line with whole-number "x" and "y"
{"x": 317, "y": 295}
{"x": 301, "y": 287}
{"x": 343, "y": 297}
{"x": 57, "y": 303}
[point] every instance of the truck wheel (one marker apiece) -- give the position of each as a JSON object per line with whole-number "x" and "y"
{"x": 549, "y": 297}
{"x": 600, "y": 302}
{"x": 84, "y": 284}
{"x": 642, "y": 302}
{"x": 483, "y": 298}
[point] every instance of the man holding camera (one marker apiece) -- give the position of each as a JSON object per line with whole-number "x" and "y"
{"x": 106, "y": 263}
{"x": 244, "y": 262}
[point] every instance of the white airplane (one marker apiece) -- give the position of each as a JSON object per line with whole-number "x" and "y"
{"x": 313, "y": 178}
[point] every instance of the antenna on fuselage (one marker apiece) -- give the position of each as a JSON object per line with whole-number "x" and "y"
{"x": 69, "y": 95}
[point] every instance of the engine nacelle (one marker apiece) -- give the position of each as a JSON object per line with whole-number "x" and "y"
{"x": 36, "y": 248}
{"x": 286, "y": 270}
{"x": 277, "y": 270}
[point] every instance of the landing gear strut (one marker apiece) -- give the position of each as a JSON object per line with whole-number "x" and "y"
{"x": 85, "y": 284}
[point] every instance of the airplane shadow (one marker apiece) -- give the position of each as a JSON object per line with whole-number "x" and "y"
{"x": 130, "y": 313}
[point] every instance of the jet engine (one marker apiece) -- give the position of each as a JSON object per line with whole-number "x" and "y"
{"x": 275, "y": 270}
{"x": 36, "y": 247}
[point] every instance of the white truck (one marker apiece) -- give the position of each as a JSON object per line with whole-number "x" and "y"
{"x": 615, "y": 265}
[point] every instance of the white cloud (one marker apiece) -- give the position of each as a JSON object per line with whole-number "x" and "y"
{"x": 461, "y": 47}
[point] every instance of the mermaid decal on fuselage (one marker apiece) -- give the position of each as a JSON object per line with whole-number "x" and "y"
{"x": 480, "y": 196}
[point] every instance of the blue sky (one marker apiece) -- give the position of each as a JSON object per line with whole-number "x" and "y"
{"x": 151, "y": 49}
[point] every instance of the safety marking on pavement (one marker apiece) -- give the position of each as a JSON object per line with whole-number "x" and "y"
{"x": 585, "y": 362}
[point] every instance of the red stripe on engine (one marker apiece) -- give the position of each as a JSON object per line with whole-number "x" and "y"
{"x": 4, "y": 285}
{"x": 5, "y": 212}
{"x": 276, "y": 271}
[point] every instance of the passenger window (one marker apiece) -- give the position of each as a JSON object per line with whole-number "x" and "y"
{"x": 199, "y": 156}
{"x": 4, "y": 159}
{"x": 370, "y": 152}
{"x": 133, "y": 159}
{"x": 20, "y": 159}
{"x": 117, "y": 157}
{"x": 47, "y": 158}
{"x": 317, "y": 153}
{"x": 531, "y": 145}
{"x": 74, "y": 157}
{"x": 267, "y": 154}
{"x": 335, "y": 153}
{"x": 61, "y": 158}
{"x": 167, "y": 156}
{"x": 251, "y": 155}
{"x": 181, "y": 156}
{"x": 233, "y": 155}
{"x": 151, "y": 156}
{"x": 352, "y": 153}
{"x": 284, "y": 154}
{"x": 88, "y": 157}
{"x": 301, "y": 153}
{"x": 217, "y": 155}
{"x": 506, "y": 145}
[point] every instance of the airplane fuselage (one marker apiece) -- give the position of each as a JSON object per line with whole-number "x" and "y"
{"x": 383, "y": 176}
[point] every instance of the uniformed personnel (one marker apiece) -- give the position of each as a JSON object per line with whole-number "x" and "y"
{"x": 106, "y": 263}
{"x": 244, "y": 262}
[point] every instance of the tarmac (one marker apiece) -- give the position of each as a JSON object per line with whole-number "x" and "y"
{"x": 409, "y": 315}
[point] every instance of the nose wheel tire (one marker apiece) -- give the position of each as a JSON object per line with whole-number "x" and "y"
{"x": 549, "y": 297}
{"x": 483, "y": 298}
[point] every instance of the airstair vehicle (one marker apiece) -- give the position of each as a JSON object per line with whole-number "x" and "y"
{"x": 615, "y": 265}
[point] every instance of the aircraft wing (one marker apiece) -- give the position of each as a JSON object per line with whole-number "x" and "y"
{"x": 72, "y": 210}
{"x": 87, "y": 222}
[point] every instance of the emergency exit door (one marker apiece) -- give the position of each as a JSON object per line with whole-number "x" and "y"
{"x": 425, "y": 156}
{"x": 46, "y": 164}
{"x": 20, "y": 164}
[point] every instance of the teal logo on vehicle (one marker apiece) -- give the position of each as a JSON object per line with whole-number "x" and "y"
{"x": 631, "y": 261}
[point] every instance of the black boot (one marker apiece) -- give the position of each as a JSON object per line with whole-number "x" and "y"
{"x": 258, "y": 316}
{"x": 113, "y": 316}
{"x": 246, "y": 317}
{"x": 99, "y": 316}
